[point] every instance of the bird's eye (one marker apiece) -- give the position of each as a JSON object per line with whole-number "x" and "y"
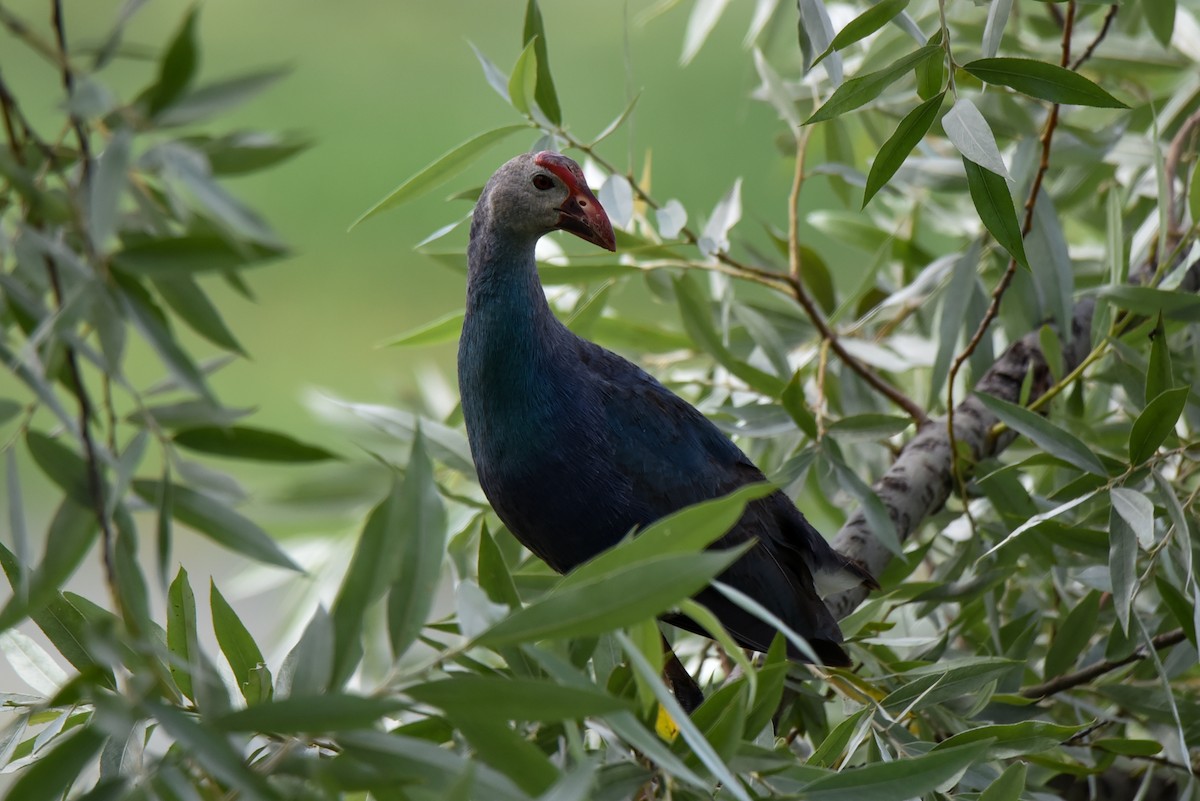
{"x": 543, "y": 181}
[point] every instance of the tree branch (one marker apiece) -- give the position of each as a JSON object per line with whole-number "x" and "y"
{"x": 1069, "y": 680}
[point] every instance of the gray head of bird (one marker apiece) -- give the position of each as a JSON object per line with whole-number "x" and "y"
{"x": 536, "y": 193}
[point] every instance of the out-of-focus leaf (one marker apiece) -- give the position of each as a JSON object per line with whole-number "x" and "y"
{"x": 895, "y": 150}
{"x": 189, "y": 414}
{"x": 778, "y": 95}
{"x": 1008, "y": 787}
{"x": 1122, "y": 566}
{"x": 1039, "y": 79}
{"x": 972, "y": 135}
{"x": 1073, "y": 635}
{"x": 865, "y": 88}
{"x": 71, "y": 534}
{"x": 1194, "y": 194}
{"x": 243, "y": 152}
{"x": 1172, "y": 304}
{"x": 796, "y": 406}
{"x": 1160, "y": 15}
{"x": 189, "y": 254}
{"x": 443, "y": 329}
{"x": 899, "y": 779}
{"x": 51, "y": 775}
{"x": 1155, "y": 424}
{"x": 515, "y": 698}
{"x": 419, "y": 544}
{"x": 235, "y": 641}
{"x": 815, "y": 33}
{"x": 218, "y": 522}
{"x": 61, "y": 465}
{"x": 31, "y": 663}
{"x": 1054, "y": 440}
{"x": 535, "y": 32}
{"x": 315, "y": 713}
{"x": 445, "y": 168}
{"x": 989, "y": 193}
{"x": 700, "y": 24}
{"x": 188, "y": 300}
{"x": 216, "y": 97}
{"x": 308, "y": 668}
{"x": 371, "y": 568}
{"x": 993, "y": 29}
{"x": 177, "y": 68}
{"x": 245, "y": 442}
{"x": 498, "y": 745}
{"x": 108, "y": 185}
{"x": 926, "y": 686}
{"x": 1007, "y": 740}
{"x": 182, "y": 639}
{"x": 611, "y": 600}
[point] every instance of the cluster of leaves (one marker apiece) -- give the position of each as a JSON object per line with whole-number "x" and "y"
{"x": 1015, "y": 647}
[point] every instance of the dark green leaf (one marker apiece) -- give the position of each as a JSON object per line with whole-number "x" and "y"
{"x": 443, "y": 329}
{"x": 535, "y": 32}
{"x": 864, "y": 25}
{"x": 1160, "y": 14}
{"x": 1159, "y": 376}
{"x": 927, "y": 686}
{"x": 610, "y": 601}
{"x": 897, "y": 780}
{"x": 796, "y": 405}
{"x": 1074, "y": 633}
{"x": 308, "y": 668}
{"x": 108, "y": 184}
{"x": 217, "y": 521}
{"x": 314, "y": 713}
{"x": 1129, "y": 747}
{"x": 895, "y": 150}
{"x": 989, "y": 193}
{"x": 1008, "y": 740}
{"x": 177, "y": 68}
{"x": 245, "y": 152}
{"x": 865, "y": 88}
{"x": 1180, "y": 607}
{"x": 515, "y": 698}
{"x": 1039, "y": 79}
{"x": 418, "y": 543}
{"x": 494, "y": 576}
{"x": 189, "y": 254}
{"x": 1122, "y": 566}
{"x": 52, "y": 774}
{"x": 71, "y": 534}
{"x": 61, "y": 465}
{"x": 832, "y": 748}
{"x": 237, "y": 645}
{"x": 182, "y": 639}
{"x": 152, "y": 324}
{"x": 931, "y": 73}
{"x": 244, "y": 442}
{"x": 1054, "y": 440}
{"x": 446, "y": 167}
{"x": 1155, "y": 424}
{"x": 371, "y": 568}
{"x": 190, "y": 302}
{"x": 496, "y": 744}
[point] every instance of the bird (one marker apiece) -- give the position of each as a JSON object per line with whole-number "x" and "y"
{"x": 575, "y": 446}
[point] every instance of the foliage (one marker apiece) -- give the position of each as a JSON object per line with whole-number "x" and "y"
{"x": 1031, "y": 164}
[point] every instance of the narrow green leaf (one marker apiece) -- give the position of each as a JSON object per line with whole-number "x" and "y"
{"x": 924, "y": 687}
{"x": 177, "y": 68}
{"x": 535, "y": 33}
{"x": 108, "y": 185}
{"x": 1172, "y": 304}
{"x": 796, "y": 405}
{"x": 1122, "y": 566}
{"x": 1039, "y": 79}
{"x": 152, "y": 324}
{"x": 71, "y": 534}
{"x": 515, "y": 698}
{"x": 1155, "y": 424}
{"x": 219, "y": 96}
{"x": 308, "y": 668}
{"x": 895, "y": 150}
{"x": 419, "y": 544}
{"x": 53, "y": 774}
{"x": 1129, "y": 747}
{"x": 445, "y": 168}
{"x": 865, "y": 24}
{"x": 1180, "y": 607}
{"x": 1008, "y": 740}
{"x": 832, "y": 748}
{"x": 873, "y": 509}
{"x": 244, "y": 152}
{"x": 443, "y": 329}
{"x": 989, "y": 193}
{"x": 315, "y": 713}
{"x": 217, "y": 521}
{"x": 1138, "y": 512}
{"x": 191, "y": 304}
{"x": 1159, "y": 376}
{"x": 722, "y": 718}
{"x": 610, "y": 601}
{"x": 900, "y": 779}
{"x": 182, "y": 639}
{"x": 61, "y": 465}
{"x": 494, "y": 576}
{"x": 1054, "y": 440}
{"x": 189, "y": 254}
{"x": 239, "y": 648}
{"x": 1074, "y": 633}
{"x": 244, "y": 442}
{"x": 1194, "y": 194}
{"x": 689, "y": 530}
{"x": 371, "y": 568}
{"x": 1008, "y": 787}
{"x": 498, "y": 745}
{"x": 931, "y": 73}
{"x": 865, "y": 88}
{"x": 522, "y": 81}
{"x": 613, "y": 126}
{"x": 1160, "y": 14}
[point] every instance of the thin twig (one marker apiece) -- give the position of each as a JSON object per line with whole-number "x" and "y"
{"x": 1091, "y": 48}
{"x": 1087, "y": 674}
{"x": 68, "y": 81}
{"x": 1171, "y": 168}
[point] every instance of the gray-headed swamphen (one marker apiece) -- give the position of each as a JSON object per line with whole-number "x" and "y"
{"x": 575, "y": 446}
